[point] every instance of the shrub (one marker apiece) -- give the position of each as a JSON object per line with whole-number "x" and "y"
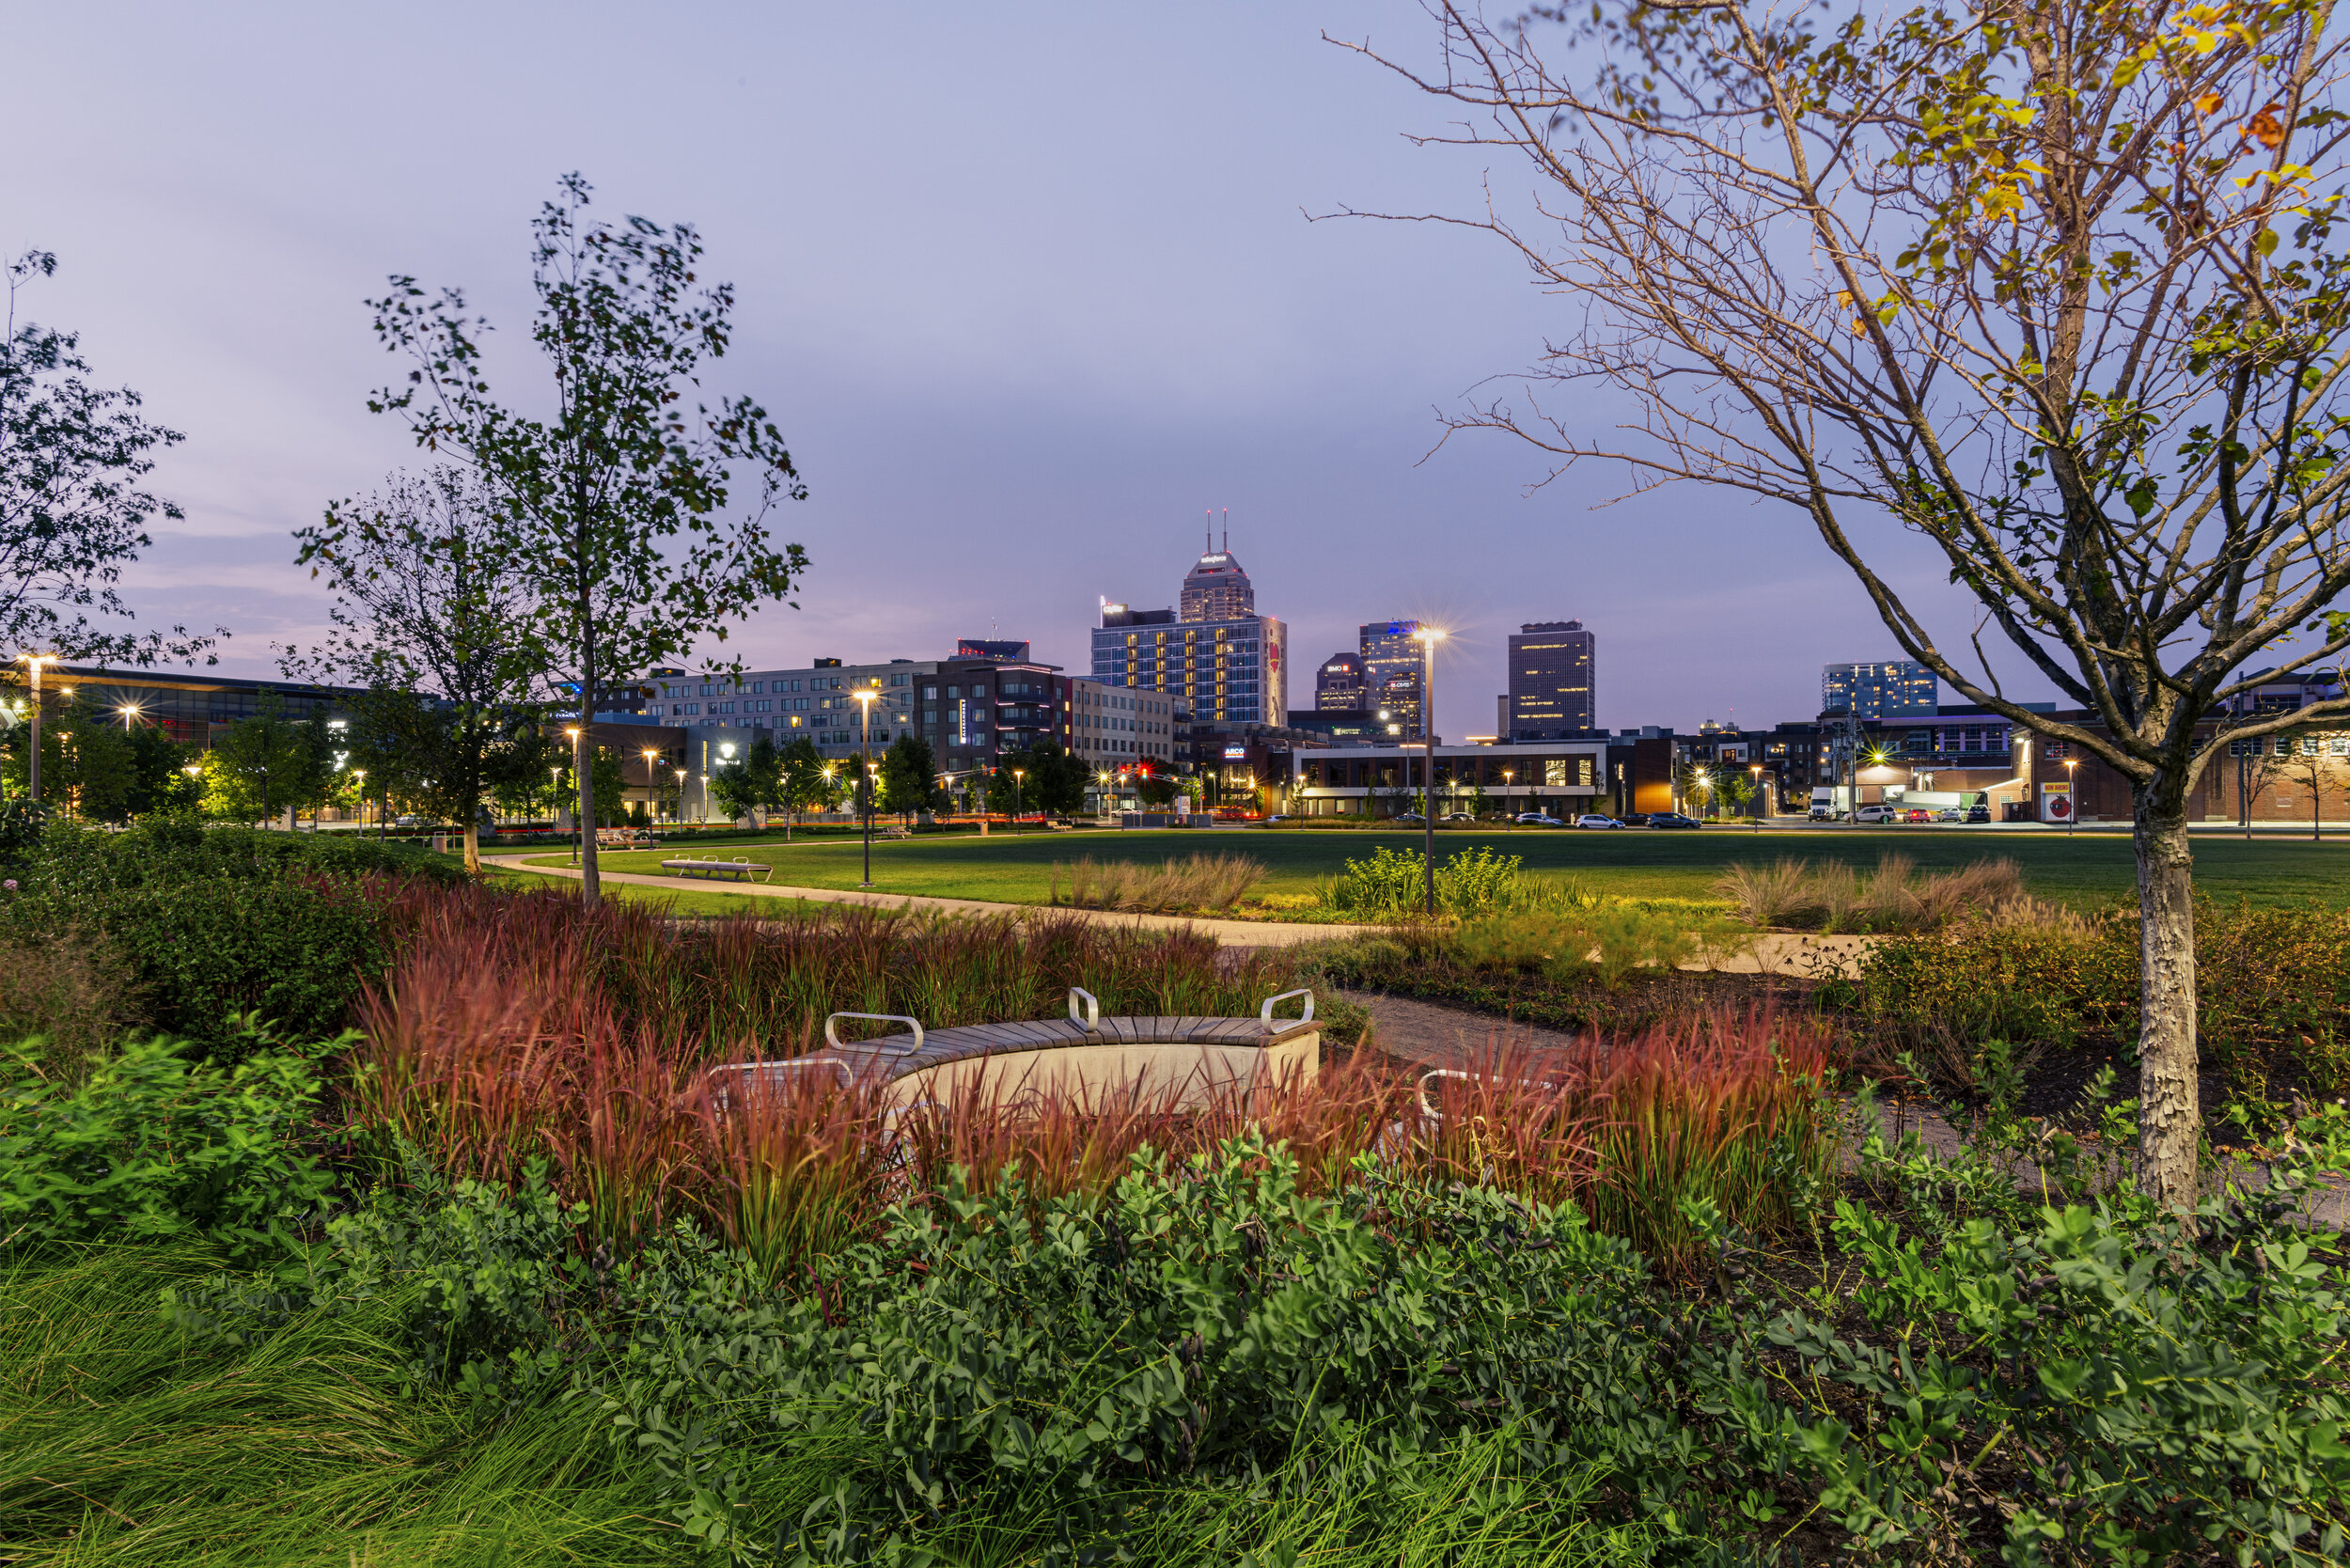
{"x": 1196, "y": 882}
{"x": 1891, "y": 897}
{"x": 69, "y": 987}
{"x": 216, "y": 923}
{"x": 2273, "y": 989}
{"x": 155, "y": 1143}
{"x": 1608, "y": 943}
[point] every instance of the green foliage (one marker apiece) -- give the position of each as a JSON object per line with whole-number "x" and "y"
{"x": 71, "y": 514}
{"x": 623, "y": 497}
{"x": 223, "y": 921}
{"x": 1201, "y": 1330}
{"x": 479, "y": 1277}
{"x": 267, "y": 764}
{"x": 909, "y": 776}
{"x": 743, "y": 784}
{"x": 2273, "y": 988}
{"x": 1608, "y": 943}
{"x": 155, "y": 1144}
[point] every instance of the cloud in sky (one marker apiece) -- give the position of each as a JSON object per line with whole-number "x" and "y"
{"x": 1028, "y": 288}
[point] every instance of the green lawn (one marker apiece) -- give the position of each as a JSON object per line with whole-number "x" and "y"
{"x": 2086, "y": 870}
{"x": 691, "y": 899}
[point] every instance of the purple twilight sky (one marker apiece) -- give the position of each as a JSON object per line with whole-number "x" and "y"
{"x": 1028, "y": 289}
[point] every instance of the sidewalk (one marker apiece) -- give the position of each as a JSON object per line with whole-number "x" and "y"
{"x": 1241, "y": 934}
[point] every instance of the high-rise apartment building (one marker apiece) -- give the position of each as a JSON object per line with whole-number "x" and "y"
{"x": 1229, "y": 669}
{"x": 1339, "y": 685}
{"x": 1553, "y": 666}
{"x": 1889, "y": 688}
{"x": 1393, "y": 655}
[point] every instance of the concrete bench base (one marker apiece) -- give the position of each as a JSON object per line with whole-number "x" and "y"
{"x": 1175, "y": 1063}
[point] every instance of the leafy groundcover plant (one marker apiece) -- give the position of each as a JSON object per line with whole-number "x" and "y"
{"x": 1960, "y": 1374}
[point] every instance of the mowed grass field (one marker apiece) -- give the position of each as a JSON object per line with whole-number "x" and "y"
{"x": 2086, "y": 871}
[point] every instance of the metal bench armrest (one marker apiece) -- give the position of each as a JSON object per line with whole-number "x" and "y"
{"x": 1265, "y": 1012}
{"x": 832, "y": 1039}
{"x": 1091, "y": 1019}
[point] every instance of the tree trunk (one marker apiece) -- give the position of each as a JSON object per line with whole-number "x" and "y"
{"x": 581, "y": 753}
{"x": 2170, "y": 1112}
{"x": 473, "y": 849}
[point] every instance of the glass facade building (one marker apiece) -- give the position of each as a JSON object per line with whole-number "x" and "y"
{"x": 1888, "y": 688}
{"x": 1553, "y": 683}
{"x": 1393, "y": 655}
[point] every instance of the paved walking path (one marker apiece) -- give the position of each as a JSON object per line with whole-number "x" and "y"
{"x": 1247, "y": 933}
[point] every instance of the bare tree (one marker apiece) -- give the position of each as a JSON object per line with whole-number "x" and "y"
{"x": 2049, "y": 284}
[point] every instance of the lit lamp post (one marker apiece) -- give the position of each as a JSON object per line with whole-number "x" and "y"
{"x": 864, "y": 696}
{"x": 35, "y": 661}
{"x": 1428, "y": 636}
{"x": 650, "y": 788}
{"x": 1108, "y": 805}
{"x": 1509, "y": 807}
{"x": 359, "y": 777}
{"x": 1757, "y": 771}
{"x": 2072, "y": 798}
{"x": 1017, "y": 774}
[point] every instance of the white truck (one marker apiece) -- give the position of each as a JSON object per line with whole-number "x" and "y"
{"x": 1830, "y": 802}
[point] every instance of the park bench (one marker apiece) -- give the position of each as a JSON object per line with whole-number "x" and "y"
{"x": 738, "y": 866}
{"x": 1187, "y": 1060}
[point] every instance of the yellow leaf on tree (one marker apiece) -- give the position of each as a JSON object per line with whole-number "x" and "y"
{"x": 2207, "y": 103}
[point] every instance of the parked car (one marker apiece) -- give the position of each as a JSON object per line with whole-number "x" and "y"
{"x": 1536, "y": 819}
{"x": 1877, "y": 814}
{"x": 1978, "y": 812}
{"x": 1592, "y": 819}
{"x": 1672, "y": 819}
{"x": 1414, "y": 818}
{"x": 1917, "y": 814}
{"x": 1949, "y": 814}
{"x": 1458, "y": 817}
{"x": 1634, "y": 819}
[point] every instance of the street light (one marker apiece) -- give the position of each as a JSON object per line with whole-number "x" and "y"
{"x": 864, "y": 696}
{"x": 1757, "y": 771}
{"x": 2072, "y": 798}
{"x": 1509, "y": 777}
{"x": 35, "y": 661}
{"x": 650, "y": 788}
{"x": 1017, "y": 774}
{"x": 1428, "y": 636}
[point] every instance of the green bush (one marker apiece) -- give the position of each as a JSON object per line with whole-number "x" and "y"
{"x": 2273, "y": 988}
{"x": 1967, "y": 1376}
{"x": 216, "y": 923}
{"x": 154, "y": 1145}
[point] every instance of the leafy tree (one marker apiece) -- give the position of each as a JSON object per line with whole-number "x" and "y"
{"x": 159, "y": 783}
{"x": 2053, "y": 289}
{"x": 751, "y": 783}
{"x": 439, "y": 760}
{"x": 87, "y": 764}
{"x": 1157, "y": 790}
{"x": 1054, "y": 781}
{"x": 804, "y": 784}
{"x": 71, "y": 514}
{"x": 266, "y": 763}
{"x": 432, "y": 617}
{"x": 909, "y": 776}
{"x": 623, "y": 500}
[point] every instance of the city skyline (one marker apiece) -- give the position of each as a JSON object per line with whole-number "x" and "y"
{"x": 1095, "y": 371}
